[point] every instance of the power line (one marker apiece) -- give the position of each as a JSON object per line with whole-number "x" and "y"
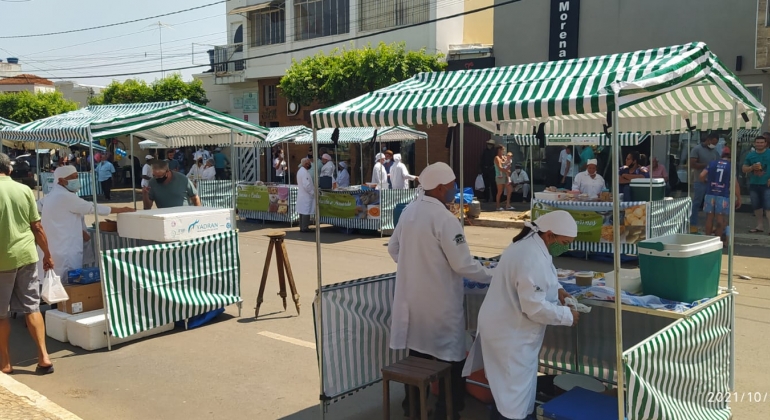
{"x": 315, "y": 46}
{"x": 114, "y": 24}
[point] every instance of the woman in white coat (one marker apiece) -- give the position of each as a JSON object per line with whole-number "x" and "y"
{"x": 343, "y": 177}
{"x": 379, "y": 173}
{"x": 524, "y": 297}
{"x": 399, "y": 174}
{"x": 305, "y": 195}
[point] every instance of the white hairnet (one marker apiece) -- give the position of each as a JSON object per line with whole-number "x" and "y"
{"x": 397, "y": 157}
{"x": 436, "y": 174}
{"x": 379, "y": 156}
{"x": 343, "y": 164}
{"x": 592, "y": 162}
{"x": 559, "y": 222}
{"x": 63, "y": 172}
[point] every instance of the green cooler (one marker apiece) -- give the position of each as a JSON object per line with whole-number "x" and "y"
{"x": 640, "y": 189}
{"x": 680, "y": 267}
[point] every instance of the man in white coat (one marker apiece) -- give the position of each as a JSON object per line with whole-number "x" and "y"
{"x": 62, "y": 217}
{"x": 399, "y": 174}
{"x": 433, "y": 257}
{"x": 379, "y": 173}
{"x": 305, "y": 195}
{"x": 589, "y": 182}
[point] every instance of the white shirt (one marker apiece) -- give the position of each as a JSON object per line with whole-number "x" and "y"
{"x": 196, "y": 172}
{"x": 429, "y": 247}
{"x": 146, "y": 171}
{"x": 200, "y": 153}
{"x": 519, "y": 178}
{"x": 328, "y": 169}
{"x": 281, "y": 169}
{"x": 522, "y": 300}
{"x": 400, "y": 177}
{"x": 305, "y": 192}
{"x": 380, "y": 176}
{"x": 62, "y": 219}
{"x": 209, "y": 173}
{"x": 587, "y": 185}
{"x": 563, "y": 159}
{"x": 343, "y": 178}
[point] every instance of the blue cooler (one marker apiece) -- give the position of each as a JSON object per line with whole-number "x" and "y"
{"x": 84, "y": 276}
{"x": 579, "y": 404}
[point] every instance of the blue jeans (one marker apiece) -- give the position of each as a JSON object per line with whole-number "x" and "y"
{"x": 699, "y": 193}
{"x": 760, "y": 197}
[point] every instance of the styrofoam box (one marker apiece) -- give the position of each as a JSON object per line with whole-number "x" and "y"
{"x": 56, "y": 324}
{"x": 88, "y": 331}
{"x": 174, "y": 224}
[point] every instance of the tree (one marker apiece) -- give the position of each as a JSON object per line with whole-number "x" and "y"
{"x": 171, "y": 88}
{"x": 24, "y": 107}
{"x": 348, "y": 73}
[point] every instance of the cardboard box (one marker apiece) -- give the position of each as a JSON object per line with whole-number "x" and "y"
{"x": 174, "y": 224}
{"x": 83, "y": 298}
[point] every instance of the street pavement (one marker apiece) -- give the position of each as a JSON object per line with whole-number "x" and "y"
{"x": 239, "y": 367}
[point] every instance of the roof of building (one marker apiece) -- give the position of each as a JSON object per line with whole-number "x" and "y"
{"x": 26, "y": 79}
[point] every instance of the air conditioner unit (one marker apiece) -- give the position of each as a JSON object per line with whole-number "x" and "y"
{"x": 292, "y": 109}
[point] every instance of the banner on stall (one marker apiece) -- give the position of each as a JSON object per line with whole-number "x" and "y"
{"x": 596, "y": 226}
{"x": 263, "y": 198}
{"x": 350, "y": 205}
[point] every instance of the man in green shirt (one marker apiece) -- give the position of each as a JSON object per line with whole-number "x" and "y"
{"x": 169, "y": 188}
{"x": 757, "y": 166}
{"x": 20, "y": 231}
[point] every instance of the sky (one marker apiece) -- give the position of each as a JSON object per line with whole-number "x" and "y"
{"x": 129, "y": 48}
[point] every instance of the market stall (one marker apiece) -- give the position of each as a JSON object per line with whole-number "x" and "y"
{"x": 362, "y": 208}
{"x": 197, "y": 267}
{"x": 664, "y": 90}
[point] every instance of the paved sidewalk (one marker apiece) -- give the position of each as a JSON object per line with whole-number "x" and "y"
{"x": 19, "y": 402}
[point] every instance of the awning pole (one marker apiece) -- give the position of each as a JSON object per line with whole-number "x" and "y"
{"x": 462, "y": 178}
{"x": 232, "y": 178}
{"x": 730, "y": 240}
{"x": 288, "y": 162}
{"x": 320, "y": 315}
{"x": 37, "y": 168}
{"x": 427, "y": 155}
{"x": 98, "y": 240}
{"x": 616, "y": 261}
{"x": 531, "y": 174}
{"x": 361, "y": 163}
{"x": 649, "y": 164}
{"x": 689, "y": 174}
{"x": 133, "y": 170}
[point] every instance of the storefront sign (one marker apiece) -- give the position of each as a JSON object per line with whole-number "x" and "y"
{"x": 250, "y": 102}
{"x": 263, "y": 198}
{"x": 361, "y": 205}
{"x": 565, "y": 19}
{"x": 596, "y": 226}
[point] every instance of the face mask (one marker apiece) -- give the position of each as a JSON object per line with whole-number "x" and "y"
{"x": 449, "y": 195}
{"x": 518, "y": 171}
{"x": 711, "y": 146}
{"x": 73, "y": 185}
{"x": 162, "y": 179}
{"x": 309, "y": 156}
{"x": 387, "y": 160}
{"x": 556, "y": 249}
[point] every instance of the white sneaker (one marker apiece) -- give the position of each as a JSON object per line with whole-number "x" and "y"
{"x": 500, "y": 209}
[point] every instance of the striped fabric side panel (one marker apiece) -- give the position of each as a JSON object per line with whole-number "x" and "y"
{"x": 668, "y": 217}
{"x": 151, "y": 286}
{"x": 389, "y": 199}
{"x": 216, "y": 193}
{"x": 352, "y": 223}
{"x": 671, "y": 375}
{"x": 356, "y": 325}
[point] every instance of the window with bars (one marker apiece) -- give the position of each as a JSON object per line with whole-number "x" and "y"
{"x": 319, "y": 18}
{"x": 268, "y": 27}
{"x": 270, "y": 96}
{"x": 383, "y": 14}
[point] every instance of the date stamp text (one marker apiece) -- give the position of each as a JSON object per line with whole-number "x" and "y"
{"x": 736, "y": 397}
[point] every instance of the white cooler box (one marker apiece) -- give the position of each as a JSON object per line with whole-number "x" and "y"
{"x": 56, "y": 324}
{"x": 89, "y": 331}
{"x": 174, "y": 224}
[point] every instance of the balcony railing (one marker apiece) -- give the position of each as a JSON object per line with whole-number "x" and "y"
{"x": 227, "y": 59}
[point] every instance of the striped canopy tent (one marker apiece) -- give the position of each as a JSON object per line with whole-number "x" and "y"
{"x": 364, "y": 134}
{"x": 286, "y": 134}
{"x": 626, "y": 139}
{"x": 7, "y": 123}
{"x": 657, "y": 91}
{"x": 150, "y": 144}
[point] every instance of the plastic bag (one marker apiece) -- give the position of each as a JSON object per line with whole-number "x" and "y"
{"x": 480, "y": 183}
{"x": 53, "y": 291}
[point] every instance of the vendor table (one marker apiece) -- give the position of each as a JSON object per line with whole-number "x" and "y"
{"x": 667, "y": 355}
{"x": 360, "y": 208}
{"x": 639, "y": 220}
{"x": 46, "y": 180}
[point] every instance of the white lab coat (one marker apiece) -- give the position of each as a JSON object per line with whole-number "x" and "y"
{"x": 380, "y": 176}
{"x": 521, "y": 301}
{"x": 429, "y": 247}
{"x": 587, "y": 185}
{"x": 196, "y": 172}
{"x": 328, "y": 169}
{"x": 400, "y": 177}
{"x": 209, "y": 173}
{"x": 343, "y": 178}
{"x": 62, "y": 217}
{"x": 305, "y": 192}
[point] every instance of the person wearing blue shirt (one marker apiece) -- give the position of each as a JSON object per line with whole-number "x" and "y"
{"x": 717, "y": 199}
{"x": 104, "y": 172}
{"x": 632, "y": 170}
{"x": 220, "y": 163}
{"x": 757, "y": 167}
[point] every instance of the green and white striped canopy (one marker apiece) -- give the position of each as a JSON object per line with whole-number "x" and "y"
{"x": 174, "y": 124}
{"x": 364, "y": 134}
{"x": 7, "y": 123}
{"x": 656, "y": 90}
{"x": 625, "y": 139}
{"x": 288, "y": 133}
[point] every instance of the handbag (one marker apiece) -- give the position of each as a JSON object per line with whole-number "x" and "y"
{"x": 53, "y": 291}
{"x": 480, "y": 183}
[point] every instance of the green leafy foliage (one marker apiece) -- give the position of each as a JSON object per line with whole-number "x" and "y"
{"x": 171, "y": 88}
{"x": 24, "y": 107}
{"x": 348, "y": 73}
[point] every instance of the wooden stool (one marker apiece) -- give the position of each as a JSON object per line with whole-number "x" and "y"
{"x": 284, "y": 270}
{"x": 417, "y": 373}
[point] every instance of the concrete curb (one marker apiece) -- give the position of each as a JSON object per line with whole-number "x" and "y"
{"x": 31, "y": 397}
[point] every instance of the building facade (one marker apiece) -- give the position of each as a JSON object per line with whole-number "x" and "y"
{"x": 77, "y": 92}
{"x": 26, "y": 83}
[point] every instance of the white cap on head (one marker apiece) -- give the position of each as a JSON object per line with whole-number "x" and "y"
{"x": 343, "y": 164}
{"x": 436, "y": 174}
{"x": 559, "y": 222}
{"x": 379, "y": 156}
{"x": 592, "y": 162}
{"x": 148, "y": 157}
{"x": 63, "y": 172}
{"x": 326, "y": 156}
{"x": 397, "y": 157}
